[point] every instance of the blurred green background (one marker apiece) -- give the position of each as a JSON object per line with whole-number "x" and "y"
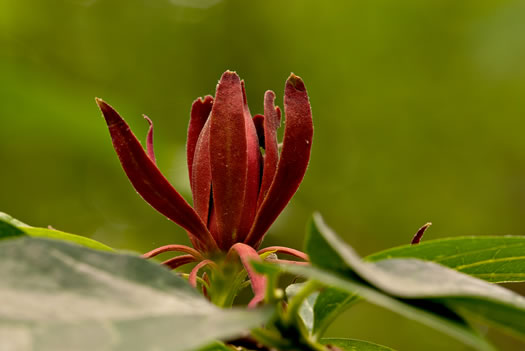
{"x": 419, "y": 111}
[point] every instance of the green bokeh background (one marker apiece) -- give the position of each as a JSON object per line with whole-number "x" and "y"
{"x": 418, "y": 108}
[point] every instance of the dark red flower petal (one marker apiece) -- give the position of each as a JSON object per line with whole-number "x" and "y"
{"x": 149, "y": 181}
{"x": 178, "y": 261}
{"x": 253, "y": 176}
{"x": 201, "y": 177}
{"x": 200, "y": 110}
{"x": 228, "y": 157}
{"x": 258, "y": 121}
{"x": 293, "y": 161}
{"x": 272, "y": 121}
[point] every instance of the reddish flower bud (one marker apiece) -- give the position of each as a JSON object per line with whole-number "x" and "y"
{"x": 237, "y": 191}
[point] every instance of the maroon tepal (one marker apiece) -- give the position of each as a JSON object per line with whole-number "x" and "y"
{"x": 238, "y": 191}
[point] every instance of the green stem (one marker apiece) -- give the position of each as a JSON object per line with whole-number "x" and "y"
{"x": 271, "y": 339}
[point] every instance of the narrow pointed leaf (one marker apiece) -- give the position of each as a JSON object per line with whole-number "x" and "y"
{"x": 293, "y": 161}
{"x": 200, "y": 110}
{"x": 11, "y": 228}
{"x": 59, "y": 296}
{"x": 228, "y": 156}
{"x": 497, "y": 259}
{"x": 149, "y": 181}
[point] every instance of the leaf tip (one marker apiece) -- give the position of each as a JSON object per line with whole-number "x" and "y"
{"x": 419, "y": 235}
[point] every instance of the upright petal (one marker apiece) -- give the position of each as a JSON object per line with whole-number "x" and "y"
{"x": 201, "y": 177}
{"x": 253, "y": 176}
{"x": 272, "y": 121}
{"x": 200, "y": 110}
{"x": 258, "y": 121}
{"x": 228, "y": 157}
{"x": 295, "y": 154}
{"x": 149, "y": 181}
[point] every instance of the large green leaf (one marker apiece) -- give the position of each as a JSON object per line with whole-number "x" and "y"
{"x": 425, "y": 291}
{"x": 418, "y": 282}
{"x": 498, "y": 259}
{"x": 10, "y": 227}
{"x": 434, "y": 315}
{"x": 59, "y": 296}
{"x": 354, "y": 345}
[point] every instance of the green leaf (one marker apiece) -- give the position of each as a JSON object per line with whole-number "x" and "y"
{"x": 329, "y": 304}
{"x": 10, "y": 227}
{"x": 497, "y": 259}
{"x": 4, "y": 217}
{"x": 61, "y": 296}
{"x": 216, "y": 346}
{"x": 434, "y": 315}
{"x": 8, "y": 230}
{"x": 320, "y": 309}
{"x": 419, "y": 282}
{"x": 354, "y": 345}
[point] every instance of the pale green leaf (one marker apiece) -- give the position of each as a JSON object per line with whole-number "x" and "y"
{"x": 59, "y": 296}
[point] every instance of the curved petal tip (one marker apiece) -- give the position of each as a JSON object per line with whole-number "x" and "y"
{"x": 108, "y": 112}
{"x": 229, "y": 76}
{"x": 296, "y": 82}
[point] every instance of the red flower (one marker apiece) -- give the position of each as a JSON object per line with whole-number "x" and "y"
{"x": 238, "y": 192}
